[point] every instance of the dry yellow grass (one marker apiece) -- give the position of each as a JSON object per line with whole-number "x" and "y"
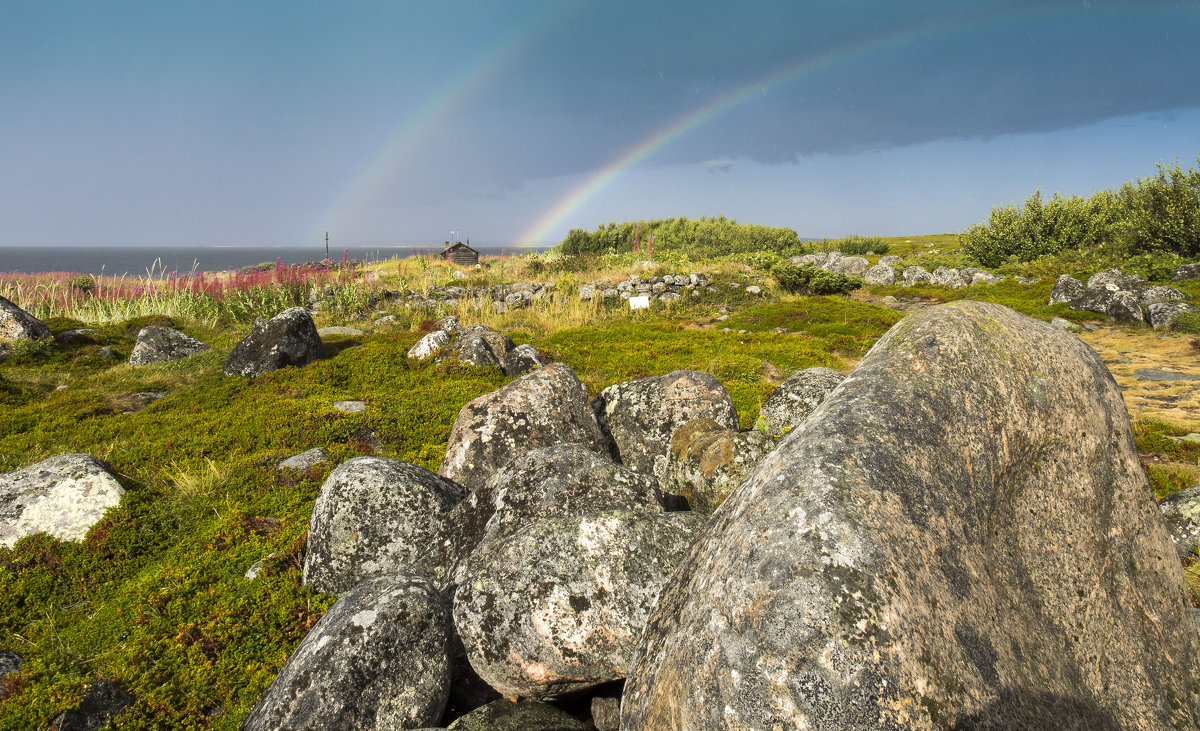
{"x": 1125, "y": 351}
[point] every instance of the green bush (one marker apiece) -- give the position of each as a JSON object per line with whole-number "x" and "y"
{"x": 807, "y": 279}
{"x": 1188, "y": 322}
{"x": 83, "y": 283}
{"x": 707, "y": 236}
{"x": 856, "y": 245}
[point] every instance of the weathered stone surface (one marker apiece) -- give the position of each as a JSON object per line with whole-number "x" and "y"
{"x": 1094, "y": 300}
{"x": 562, "y": 481}
{"x": 855, "y": 266}
{"x": 640, "y": 416}
{"x": 449, "y": 323}
{"x": 160, "y": 344}
{"x": 917, "y": 275}
{"x": 558, "y": 606}
{"x": 375, "y": 515}
{"x": 472, "y": 348}
{"x": 1181, "y": 513}
{"x": 63, "y": 496}
{"x": 1186, "y": 271}
{"x": 350, "y": 407}
{"x": 1162, "y": 314}
{"x": 1159, "y": 375}
{"x": 880, "y": 274}
{"x": 430, "y": 344}
{"x": 17, "y": 324}
{"x": 1066, "y": 289}
{"x": 1150, "y": 295}
{"x": 1062, "y": 324}
{"x": 522, "y": 359}
{"x": 304, "y": 460}
{"x": 524, "y": 715}
{"x": 708, "y": 461}
{"x": 1115, "y": 280}
{"x": 1126, "y": 307}
{"x": 606, "y": 714}
{"x": 962, "y": 536}
{"x": 101, "y": 702}
{"x": 76, "y": 337}
{"x": 795, "y": 399}
{"x": 546, "y": 407}
{"x": 376, "y": 660}
{"x": 947, "y": 277}
{"x": 287, "y": 339}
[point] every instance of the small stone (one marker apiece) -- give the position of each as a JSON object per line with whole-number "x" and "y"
{"x": 1062, "y": 324}
{"x": 429, "y": 345}
{"x": 107, "y": 353}
{"x": 339, "y": 330}
{"x": 350, "y": 407}
{"x": 160, "y": 344}
{"x": 753, "y": 289}
{"x": 522, "y": 359}
{"x": 304, "y": 460}
{"x": 1181, "y": 513}
{"x": 1154, "y": 374}
{"x": 76, "y": 337}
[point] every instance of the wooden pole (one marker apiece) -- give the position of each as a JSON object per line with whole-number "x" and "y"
{"x": 326, "y": 245}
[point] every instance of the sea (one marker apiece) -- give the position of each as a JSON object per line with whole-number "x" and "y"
{"x": 141, "y": 260}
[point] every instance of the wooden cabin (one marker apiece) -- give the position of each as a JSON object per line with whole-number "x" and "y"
{"x": 461, "y": 254}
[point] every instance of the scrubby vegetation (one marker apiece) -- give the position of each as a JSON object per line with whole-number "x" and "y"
{"x": 1159, "y": 214}
{"x": 808, "y": 279}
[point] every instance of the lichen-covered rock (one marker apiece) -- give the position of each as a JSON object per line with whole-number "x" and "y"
{"x": 304, "y": 460}
{"x": 1186, "y": 271}
{"x": 449, "y": 323}
{"x": 1126, "y": 307}
{"x": 880, "y": 274}
{"x": 1181, "y": 513}
{"x": 1115, "y": 280}
{"x": 374, "y": 515}
{"x": 17, "y": 324}
{"x": 63, "y": 496}
{"x": 795, "y": 399}
{"x": 101, "y": 702}
{"x": 947, "y": 277}
{"x": 287, "y": 339}
{"x": 1162, "y": 314}
{"x": 708, "y": 461}
{"x": 429, "y": 345}
{"x": 522, "y": 359}
{"x": 1066, "y": 289}
{"x": 961, "y": 536}
{"x": 640, "y": 416}
{"x": 855, "y": 266}
{"x": 546, "y": 407}
{"x": 559, "y": 605}
{"x": 1094, "y": 300}
{"x": 524, "y": 715}
{"x": 157, "y": 344}
{"x": 1150, "y": 295}
{"x": 917, "y": 275}
{"x": 376, "y": 660}
{"x": 891, "y": 260}
{"x": 606, "y": 714}
{"x": 477, "y": 347}
{"x": 562, "y": 481}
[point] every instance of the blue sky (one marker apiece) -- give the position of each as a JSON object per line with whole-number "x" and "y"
{"x": 392, "y": 123}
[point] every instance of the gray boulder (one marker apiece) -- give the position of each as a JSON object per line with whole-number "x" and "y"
{"x": 499, "y": 343}
{"x": 947, "y": 277}
{"x": 1094, "y": 300}
{"x": 795, "y": 399}
{"x": 478, "y": 345}
{"x": 1066, "y": 289}
{"x": 708, "y": 461}
{"x": 63, "y": 496}
{"x": 101, "y": 702}
{"x": 523, "y": 359}
{"x": 304, "y": 460}
{"x": 917, "y": 275}
{"x": 17, "y": 324}
{"x": 1115, "y": 280}
{"x": 546, "y": 407}
{"x": 1126, "y": 307}
{"x": 1181, "y": 513}
{"x": 157, "y": 344}
{"x": 1162, "y": 314}
{"x": 1062, "y": 324}
{"x": 855, "y": 266}
{"x": 1186, "y": 271}
{"x": 912, "y": 559}
{"x": 890, "y": 260}
{"x": 374, "y": 515}
{"x": 78, "y": 336}
{"x": 640, "y": 416}
{"x": 449, "y": 323}
{"x": 376, "y": 660}
{"x": 558, "y": 606}
{"x": 880, "y": 274}
{"x": 1150, "y": 295}
{"x": 287, "y": 339}
{"x": 524, "y": 715}
{"x": 429, "y": 345}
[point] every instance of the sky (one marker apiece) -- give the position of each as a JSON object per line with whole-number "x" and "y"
{"x": 406, "y": 123}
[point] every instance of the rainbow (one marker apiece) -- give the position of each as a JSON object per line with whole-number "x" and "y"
{"x": 553, "y": 218}
{"x": 388, "y": 160}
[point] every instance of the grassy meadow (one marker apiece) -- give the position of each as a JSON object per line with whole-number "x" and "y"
{"x": 155, "y": 599}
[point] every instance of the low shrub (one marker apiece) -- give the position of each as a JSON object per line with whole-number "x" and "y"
{"x": 807, "y": 279}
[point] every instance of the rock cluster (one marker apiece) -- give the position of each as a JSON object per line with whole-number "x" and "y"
{"x": 885, "y": 271}
{"x": 667, "y": 287}
{"x": 1122, "y": 297}
{"x": 477, "y": 345}
{"x": 496, "y": 297}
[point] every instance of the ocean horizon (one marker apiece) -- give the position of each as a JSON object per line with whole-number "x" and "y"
{"x": 138, "y": 260}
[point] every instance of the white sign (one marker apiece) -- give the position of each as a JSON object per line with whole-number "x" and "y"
{"x": 639, "y": 303}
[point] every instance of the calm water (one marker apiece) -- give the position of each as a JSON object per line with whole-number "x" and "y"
{"x": 136, "y": 260}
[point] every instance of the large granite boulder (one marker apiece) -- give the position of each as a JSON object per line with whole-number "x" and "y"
{"x": 17, "y": 324}
{"x": 1066, "y": 289}
{"x": 880, "y": 274}
{"x": 1162, "y": 314}
{"x": 640, "y": 416}
{"x": 1150, "y": 295}
{"x": 1126, "y": 307}
{"x": 157, "y": 344}
{"x": 478, "y": 345}
{"x": 855, "y": 266}
{"x": 1186, "y": 271}
{"x": 1115, "y": 280}
{"x": 961, "y": 537}
{"x": 559, "y": 605}
{"x": 524, "y": 715}
{"x": 374, "y": 515}
{"x": 917, "y": 275}
{"x": 795, "y": 399}
{"x": 376, "y": 660}
{"x": 546, "y": 407}
{"x": 63, "y": 496}
{"x": 708, "y": 461}
{"x": 287, "y": 339}
{"x": 562, "y": 481}
{"x": 429, "y": 345}
{"x": 1181, "y": 513}
{"x": 522, "y": 359}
